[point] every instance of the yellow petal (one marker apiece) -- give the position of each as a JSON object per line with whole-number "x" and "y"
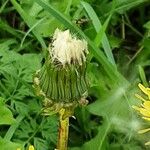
{"x": 146, "y": 105}
{"x": 146, "y": 118}
{"x": 148, "y": 92}
{"x": 18, "y": 148}
{"x": 144, "y": 131}
{"x": 31, "y": 147}
{"x": 140, "y": 97}
{"x": 144, "y": 112}
{"x": 136, "y": 108}
{"x": 143, "y": 89}
{"x": 147, "y": 143}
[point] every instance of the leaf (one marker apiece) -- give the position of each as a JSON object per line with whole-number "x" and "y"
{"x": 41, "y": 144}
{"x": 17, "y": 73}
{"x": 125, "y": 5}
{"x": 97, "y": 25}
{"x": 6, "y": 114}
{"x": 50, "y": 125}
{"x": 31, "y": 128}
{"x": 13, "y": 128}
{"x": 6, "y": 27}
{"x": 122, "y": 6}
{"x": 8, "y": 145}
{"x": 30, "y": 22}
{"x": 147, "y": 25}
{"x": 98, "y": 142}
{"x": 107, "y": 106}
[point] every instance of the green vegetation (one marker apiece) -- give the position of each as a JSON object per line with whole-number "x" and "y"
{"x": 118, "y": 36}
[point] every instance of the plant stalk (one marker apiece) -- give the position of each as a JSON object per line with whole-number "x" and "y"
{"x": 63, "y": 130}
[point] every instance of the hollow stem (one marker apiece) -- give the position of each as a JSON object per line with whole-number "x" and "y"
{"x": 63, "y": 130}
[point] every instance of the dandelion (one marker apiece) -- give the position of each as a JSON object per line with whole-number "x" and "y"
{"x": 31, "y": 147}
{"x": 144, "y": 109}
{"x": 62, "y": 79}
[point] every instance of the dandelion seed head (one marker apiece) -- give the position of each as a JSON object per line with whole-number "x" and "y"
{"x": 67, "y": 49}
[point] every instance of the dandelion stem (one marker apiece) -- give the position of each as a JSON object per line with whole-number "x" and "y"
{"x": 63, "y": 130}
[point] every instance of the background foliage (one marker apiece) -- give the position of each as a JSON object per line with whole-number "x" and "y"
{"x": 118, "y": 34}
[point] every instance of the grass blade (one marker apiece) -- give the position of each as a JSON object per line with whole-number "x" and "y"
{"x": 13, "y": 127}
{"x": 38, "y": 22}
{"x": 29, "y": 21}
{"x": 98, "y": 26}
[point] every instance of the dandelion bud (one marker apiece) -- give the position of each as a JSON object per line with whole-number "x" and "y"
{"x": 62, "y": 79}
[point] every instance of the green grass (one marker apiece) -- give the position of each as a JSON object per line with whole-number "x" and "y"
{"x": 118, "y": 39}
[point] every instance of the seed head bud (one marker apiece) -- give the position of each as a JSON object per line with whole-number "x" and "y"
{"x": 62, "y": 79}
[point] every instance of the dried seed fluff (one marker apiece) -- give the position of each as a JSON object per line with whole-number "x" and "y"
{"x": 67, "y": 49}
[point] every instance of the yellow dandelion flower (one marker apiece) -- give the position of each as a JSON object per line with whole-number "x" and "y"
{"x": 31, "y": 147}
{"x": 144, "y": 109}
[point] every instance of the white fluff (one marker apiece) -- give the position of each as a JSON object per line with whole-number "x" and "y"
{"x": 66, "y": 48}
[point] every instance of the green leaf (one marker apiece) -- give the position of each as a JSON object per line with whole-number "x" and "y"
{"x": 41, "y": 144}
{"x": 142, "y": 75}
{"x": 6, "y": 114}
{"x": 13, "y": 128}
{"x": 147, "y": 25}
{"x": 124, "y": 5}
{"x": 6, "y": 27}
{"x": 99, "y": 141}
{"x": 30, "y": 21}
{"x": 8, "y": 145}
{"x": 98, "y": 26}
